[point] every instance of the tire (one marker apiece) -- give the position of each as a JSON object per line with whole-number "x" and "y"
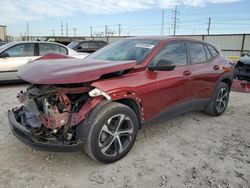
{"x": 220, "y": 99}
{"x": 112, "y": 132}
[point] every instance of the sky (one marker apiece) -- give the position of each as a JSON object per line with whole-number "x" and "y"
{"x": 136, "y": 17}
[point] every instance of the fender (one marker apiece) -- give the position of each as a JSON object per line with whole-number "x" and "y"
{"x": 225, "y": 76}
{"x": 123, "y": 93}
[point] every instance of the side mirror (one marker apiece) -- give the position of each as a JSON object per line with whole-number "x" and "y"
{"x": 79, "y": 47}
{"x": 162, "y": 65}
{"x": 3, "y": 55}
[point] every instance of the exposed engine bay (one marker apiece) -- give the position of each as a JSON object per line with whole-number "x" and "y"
{"x": 52, "y": 113}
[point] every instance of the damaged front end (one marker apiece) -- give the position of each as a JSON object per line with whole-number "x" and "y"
{"x": 52, "y": 117}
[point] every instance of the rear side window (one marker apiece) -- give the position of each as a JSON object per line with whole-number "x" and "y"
{"x": 63, "y": 50}
{"x": 45, "y": 48}
{"x": 94, "y": 45}
{"x": 84, "y": 45}
{"x": 209, "y": 56}
{"x": 175, "y": 52}
{"x": 212, "y": 50}
{"x": 197, "y": 52}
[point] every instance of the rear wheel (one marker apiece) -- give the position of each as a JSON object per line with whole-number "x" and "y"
{"x": 112, "y": 133}
{"x": 220, "y": 100}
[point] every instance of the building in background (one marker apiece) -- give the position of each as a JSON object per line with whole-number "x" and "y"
{"x": 3, "y": 33}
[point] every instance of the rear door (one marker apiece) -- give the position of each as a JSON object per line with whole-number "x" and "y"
{"x": 205, "y": 69}
{"x": 19, "y": 55}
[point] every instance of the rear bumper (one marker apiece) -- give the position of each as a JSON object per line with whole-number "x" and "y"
{"x": 27, "y": 137}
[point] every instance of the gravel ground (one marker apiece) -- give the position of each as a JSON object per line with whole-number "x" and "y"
{"x": 191, "y": 150}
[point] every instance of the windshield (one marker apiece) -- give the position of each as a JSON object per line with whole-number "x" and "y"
{"x": 123, "y": 50}
{"x": 5, "y": 46}
{"x": 73, "y": 44}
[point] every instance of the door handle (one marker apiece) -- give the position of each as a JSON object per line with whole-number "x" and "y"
{"x": 187, "y": 73}
{"x": 216, "y": 67}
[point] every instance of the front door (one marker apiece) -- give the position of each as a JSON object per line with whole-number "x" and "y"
{"x": 168, "y": 88}
{"x": 17, "y": 56}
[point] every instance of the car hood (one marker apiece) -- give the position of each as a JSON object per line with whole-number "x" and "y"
{"x": 69, "y": 70}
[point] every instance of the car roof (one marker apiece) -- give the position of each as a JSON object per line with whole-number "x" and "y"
{"x": 89, "y": 41}
{"x": 163, "y": 38}
{"x": 25, "y": 42}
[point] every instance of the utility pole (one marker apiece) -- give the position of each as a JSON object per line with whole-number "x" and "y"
{"x": 67, "y": 29}
{"x": 106, "y": 30}
{"x": 91, "y": 31}
{"x": 175, "y": 19}
{"x": 53, "y": 31}
{"x": 74, "y": 30}
{"x": 162, "y": 22}
{"x": 27, "y": 30}
{"x": 208, "y": 28}
{"x": 61, "y": 28}
{"x": 119, "y": 30}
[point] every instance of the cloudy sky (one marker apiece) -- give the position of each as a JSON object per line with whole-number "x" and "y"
{"x": 137, "y": 17}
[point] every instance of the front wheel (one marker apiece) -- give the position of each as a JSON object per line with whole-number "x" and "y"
{"x": 219, "y": 101}
{"x": 112, "y": 133}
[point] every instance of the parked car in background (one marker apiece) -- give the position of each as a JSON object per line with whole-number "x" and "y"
{"x": 2, "y": 43}
{"x": 100, "y": 102}
{"x": 242, "y": 68}
{"x": 13, "y": 55}
{"x": 60, "y": 39}
{"x": 87, "y": 45}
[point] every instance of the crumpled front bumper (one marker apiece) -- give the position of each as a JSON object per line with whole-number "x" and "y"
{"x": 28, "y": 138}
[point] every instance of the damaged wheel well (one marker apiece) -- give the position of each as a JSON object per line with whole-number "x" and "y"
{"x": 133, "y": 105}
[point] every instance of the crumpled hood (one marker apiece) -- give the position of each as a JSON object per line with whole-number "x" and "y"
{"x": 66, "y": 71}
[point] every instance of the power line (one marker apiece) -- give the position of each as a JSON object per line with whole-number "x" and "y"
{"x": 208, "y": 27}
{"x": 91, "y": 31}
{"x": 67, "y": 29}
{"x": 119, "y": 30}
{"x": 176, "y": 12}
{"x": 61, "y": 28}
{"x": 162, "y": 22}
{"x": 106, "y": 30}
{"x": 74, "y": 30}
{"x": 27, "y": 30}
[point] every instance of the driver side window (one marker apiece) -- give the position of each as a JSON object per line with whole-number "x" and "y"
{"x": 175, "y": 52}
{"x": 21, "y": 50}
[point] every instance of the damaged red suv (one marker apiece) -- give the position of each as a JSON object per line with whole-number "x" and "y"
{"x": 98, "y": 104}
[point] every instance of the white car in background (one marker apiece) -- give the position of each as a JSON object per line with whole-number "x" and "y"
{"x": 13, "y": 55}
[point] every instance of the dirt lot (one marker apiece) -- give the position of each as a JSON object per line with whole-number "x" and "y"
{"x": 191, "y": 150}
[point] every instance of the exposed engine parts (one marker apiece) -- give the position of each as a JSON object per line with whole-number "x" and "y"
{"x": 52, "y": 112}
{"x": 56, "y": 110}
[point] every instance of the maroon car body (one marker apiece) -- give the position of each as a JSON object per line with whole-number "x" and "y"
{"x": 148, "y": 92}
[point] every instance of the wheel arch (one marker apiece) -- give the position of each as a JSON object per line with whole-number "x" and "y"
{"x": 227, "y": 79}
{"x": 131, "y": 103}
{"x": 228, "y": 82}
